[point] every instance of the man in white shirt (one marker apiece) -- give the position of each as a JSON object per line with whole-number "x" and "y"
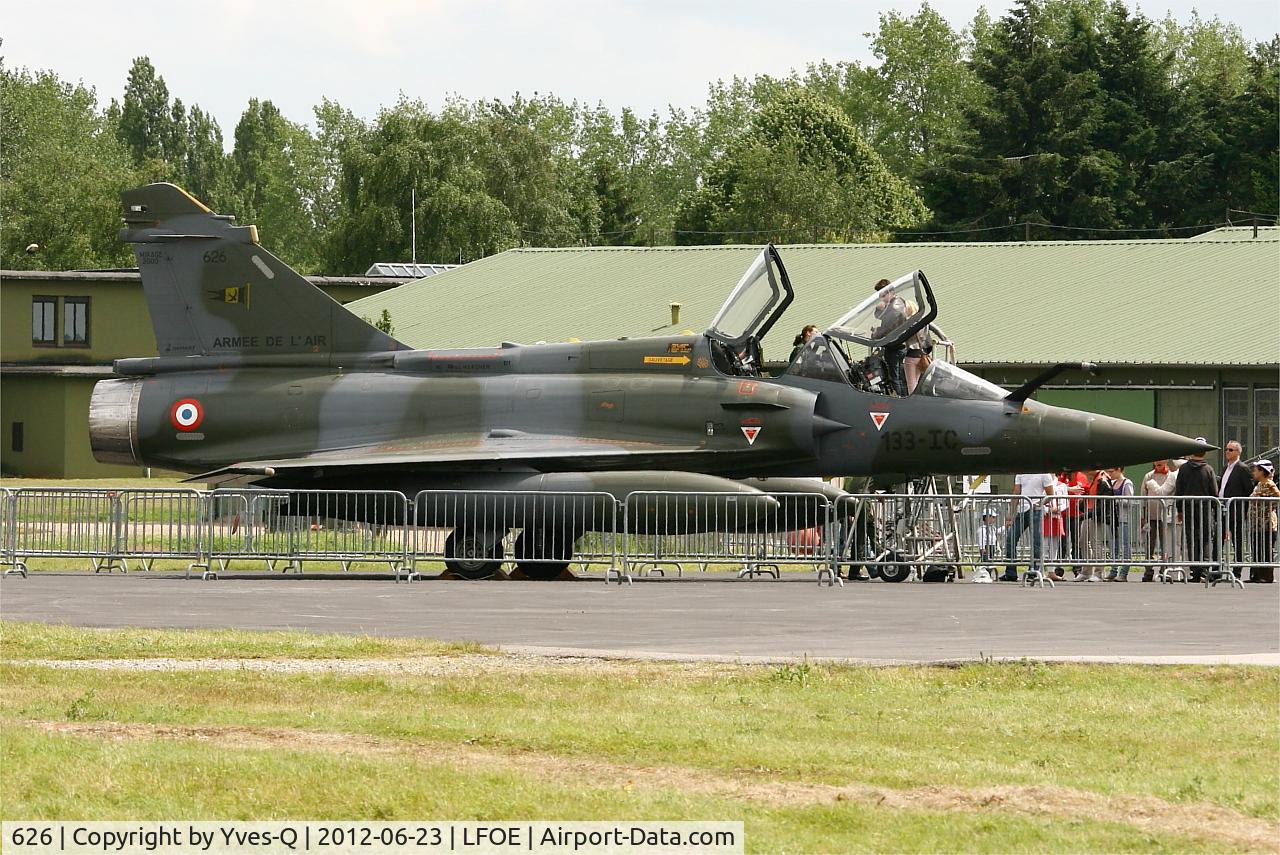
{"x": 1028, "y": 512}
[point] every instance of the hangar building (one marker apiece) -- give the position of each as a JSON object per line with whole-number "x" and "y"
{"x": 1187, "y": 332}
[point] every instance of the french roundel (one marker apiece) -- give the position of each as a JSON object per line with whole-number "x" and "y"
{"x": 186, "y": 414}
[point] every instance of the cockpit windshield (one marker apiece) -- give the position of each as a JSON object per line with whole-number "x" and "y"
{"x": 944, "y": 380}
{"x": 819, "y": 360}
{"x": 890, "y": 315}
{"x": 756, "y": 302}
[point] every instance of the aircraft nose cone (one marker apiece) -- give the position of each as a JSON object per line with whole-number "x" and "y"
{"x": 1115, "y": 442}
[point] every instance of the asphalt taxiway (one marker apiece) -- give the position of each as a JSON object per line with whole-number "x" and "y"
{"x": 697, "y": 618}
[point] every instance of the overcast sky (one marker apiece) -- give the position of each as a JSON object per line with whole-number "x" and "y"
{"x": 645, "y": 55}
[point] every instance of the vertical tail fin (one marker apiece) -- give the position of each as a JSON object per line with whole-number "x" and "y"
{"x": 213, "y": 290}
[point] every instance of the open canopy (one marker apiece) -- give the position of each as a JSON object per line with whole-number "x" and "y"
{"x": 889, "y": 316}
{"x": 756, "y": 302}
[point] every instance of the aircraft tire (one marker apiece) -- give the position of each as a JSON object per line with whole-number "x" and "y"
{"x": 554, "y": 548}
{"x": 467, "y": 557}
{"x": 895, "y": 572}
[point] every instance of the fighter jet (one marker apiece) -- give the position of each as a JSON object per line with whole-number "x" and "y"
{"x": 263, "y": 378}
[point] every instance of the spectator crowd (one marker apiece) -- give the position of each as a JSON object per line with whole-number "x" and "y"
{"x": 1083, "y": 522}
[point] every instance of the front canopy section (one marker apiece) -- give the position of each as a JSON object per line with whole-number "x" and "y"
{"x": 889, "y": 316}
{"x": 756, "y": 302}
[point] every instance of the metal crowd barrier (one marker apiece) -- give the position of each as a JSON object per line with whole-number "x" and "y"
{"x": 154, "y": 524}
{"x": 7, "y": 532}
{"x": 342, "y": 526}
{"x": 475, "y": 533}
{"x": 66, "y": 523}
{"x": 897, "y": 536}
{"x": 478, "y": 533}
{"x": 751, "y": 534}
{"x": 1250, "y": 537}
{"x": 1099, "y": 537}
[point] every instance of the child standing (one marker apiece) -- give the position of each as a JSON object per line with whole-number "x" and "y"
{"x": 990, "y": 533}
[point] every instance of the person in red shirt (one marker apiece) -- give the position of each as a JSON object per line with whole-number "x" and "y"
{"x": 1073, "y": 484}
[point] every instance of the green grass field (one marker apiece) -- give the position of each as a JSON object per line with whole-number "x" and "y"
{"x": 985, "y": 757}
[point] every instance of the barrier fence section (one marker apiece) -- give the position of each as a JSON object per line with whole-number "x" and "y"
{"x": 7, "y": 558}
{"x": 229, "y": 530}
{"x": 160, "y": 523}
{"x": 474, "y": 533}
{"x": 297, "y": 526}
{"x": 1096, "y": 537}
{"x": 897, "y": 536}
{"x": 66, "y": 523}
{"x": 894, "y": 536}
{"x": 754, "y": 534}
{"x": 1249, "y": 542}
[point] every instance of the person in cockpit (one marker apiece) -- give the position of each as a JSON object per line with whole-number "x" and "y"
{"x": 892, "y": 313}
{"x": 917, "y": 355}
{"x": 805, "y": 334}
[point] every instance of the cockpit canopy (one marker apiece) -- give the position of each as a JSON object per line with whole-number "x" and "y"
{"x": 756, "y": 302}
{"x": 890, "y": 315}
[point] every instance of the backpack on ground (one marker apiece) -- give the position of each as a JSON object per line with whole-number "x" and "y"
{"x": 938, "y": 573}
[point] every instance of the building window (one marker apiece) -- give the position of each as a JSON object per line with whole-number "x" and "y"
{"x": 1266, "y": 407}
{"x": 1235, "y": 417}
{"x": 44, "y": 314}
{"x": 15, "y": 440}
{"x": 1252, "y": 417}
{"x": 75, "y": 321}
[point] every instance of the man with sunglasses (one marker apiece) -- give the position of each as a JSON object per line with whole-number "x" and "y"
{"x": 1236, "y": 483}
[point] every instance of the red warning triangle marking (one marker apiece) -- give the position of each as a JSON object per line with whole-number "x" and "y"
{"x": 751, "y": 433}
{"x": 879, "y": 419}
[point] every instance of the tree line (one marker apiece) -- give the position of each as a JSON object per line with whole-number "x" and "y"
{"x": 1061, "y": 119}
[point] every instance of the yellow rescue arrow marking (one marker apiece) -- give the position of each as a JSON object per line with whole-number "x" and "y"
{"x": 666, "y": 360}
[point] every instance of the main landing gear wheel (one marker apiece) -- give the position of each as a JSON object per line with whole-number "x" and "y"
{"x": 543, "y": 555}
{"x": 894, "y": 572}
{"x": 473, "y": 554}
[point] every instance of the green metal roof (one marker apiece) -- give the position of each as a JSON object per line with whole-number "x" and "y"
{"x": 1151, "y": 301}
{"x": 1239, "y": 233}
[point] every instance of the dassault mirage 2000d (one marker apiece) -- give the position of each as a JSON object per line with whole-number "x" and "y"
{"x": 263, "y": 378}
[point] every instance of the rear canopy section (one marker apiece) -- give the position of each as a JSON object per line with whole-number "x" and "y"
{"x": 889, "y": 316}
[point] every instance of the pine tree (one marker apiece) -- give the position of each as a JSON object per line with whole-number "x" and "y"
{"x": 146, "y": 125}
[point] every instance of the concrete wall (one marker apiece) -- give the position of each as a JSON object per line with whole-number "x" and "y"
{"x": 53, "y": 411}
{"x": 38, "y": 403}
